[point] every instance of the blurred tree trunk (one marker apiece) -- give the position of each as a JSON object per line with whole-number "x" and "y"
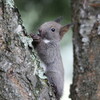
{"x": 86, "y": 39}
{"x": 19, "y": 78}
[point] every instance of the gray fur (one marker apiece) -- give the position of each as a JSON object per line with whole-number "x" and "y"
{"x": 49, "y": 53}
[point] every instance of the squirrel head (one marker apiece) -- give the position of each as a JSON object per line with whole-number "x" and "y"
{"x": 53, "y": 30}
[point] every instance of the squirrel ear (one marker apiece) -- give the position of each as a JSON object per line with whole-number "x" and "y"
{"x": 58, "y": 20}
{"x": 64, "y": 29}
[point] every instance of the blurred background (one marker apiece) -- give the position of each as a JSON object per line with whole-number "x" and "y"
{"x": 36, "y": 12}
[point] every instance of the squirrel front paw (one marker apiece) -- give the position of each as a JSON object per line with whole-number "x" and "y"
{"x": 36, "y": 38}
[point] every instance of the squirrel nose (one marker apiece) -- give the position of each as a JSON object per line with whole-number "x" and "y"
{"x": 40, "y": 31}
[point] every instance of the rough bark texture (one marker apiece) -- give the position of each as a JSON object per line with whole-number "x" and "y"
{"x": 86, "y": 39}
{"x": 19, "y": 78}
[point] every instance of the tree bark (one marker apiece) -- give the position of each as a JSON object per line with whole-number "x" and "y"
{"x": 86, "y": 41}
{"x": 20, "y": 74}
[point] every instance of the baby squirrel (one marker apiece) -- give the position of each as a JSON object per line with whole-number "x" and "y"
{"x": 47, "y": 45}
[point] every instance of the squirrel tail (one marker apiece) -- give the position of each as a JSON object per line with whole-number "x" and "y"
{"x": 57, "y": 84}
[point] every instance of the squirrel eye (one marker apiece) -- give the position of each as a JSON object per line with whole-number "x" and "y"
{"x": 53, "y": 29}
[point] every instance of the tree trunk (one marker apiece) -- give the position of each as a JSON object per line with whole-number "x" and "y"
{"x": 86, "y": 37}
{"x": 19, "y": 77}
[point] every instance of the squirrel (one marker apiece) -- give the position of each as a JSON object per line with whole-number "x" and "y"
{"x": 47, "y": 45}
